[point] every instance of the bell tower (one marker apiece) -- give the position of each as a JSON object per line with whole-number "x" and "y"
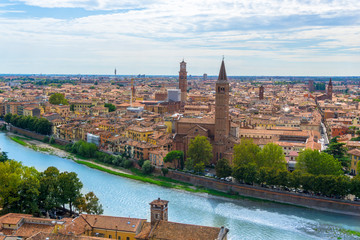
{"x": 159, "y": 210}
{"x": 222, "y": 120}
{"x": 183, "y": 81}
{"x": 330, "y": 90}
{"x": 261, "y": 92}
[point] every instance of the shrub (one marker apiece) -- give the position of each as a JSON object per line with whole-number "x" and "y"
{"x": 164, "y": 171}
{"x": 147, "y": 168}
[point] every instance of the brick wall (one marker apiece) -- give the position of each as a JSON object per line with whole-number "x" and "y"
{"x": 320, "y": 203}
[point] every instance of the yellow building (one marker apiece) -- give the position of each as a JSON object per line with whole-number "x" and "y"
{"x": 355, "y": 159}
{"x": 139, "y": 133}
{"x": 120, "y": 228}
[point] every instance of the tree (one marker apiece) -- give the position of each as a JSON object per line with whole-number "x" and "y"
{"x": 200, "y": 151}
{"x": 271, "y": 156}
{"x": 3, "y": 157}
{"x": 314, "y": 162}
{"x": 19, "y": 187}
{"x": 339, "y": 151}
{"x": 223, "y": 169}
{"x": 245, "y": 152}
{"x": 49, "y": 189}
{"x": 355, "y": 186}
{"x": 246, "y": 173}
{"x": 147, "y": 168}
{"x": 164, "y": 171}
{"x": 175, "y": 155}
{"x": 89, "y": 204}
{"x": 58, "y": 98}
{"x": 110, "y": 106}
{"x": 69, "y": 188}
{"x": 72, "y": 107}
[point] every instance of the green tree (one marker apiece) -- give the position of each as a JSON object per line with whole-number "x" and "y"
{"x": 10, "y": 182}
{"x": 164, "y": 171}
{"x": 3, "y": 157}
{"x": 246, "y": 173}
{"x": 72, "y": 107}
{"x": 7, "y": 117}
{"x": 339, "y": 151}
{"x": 69, "y": 188}
{"x": 89, "y": 204}
{"x": 271, "y": 156}
{"x": 147, "y": 168}
{"x": 49, "y": 197}
{"x": 245, "y": 152}
{"x": 314, "y": 162}
{"x": 177, "y": 156}
{"x": 355, "y": 186}
{"x": 200, "y": 151}
{"x": 110, "y": 106}
{"x": 58, "y": 98}
{"x": 223, "y": 168}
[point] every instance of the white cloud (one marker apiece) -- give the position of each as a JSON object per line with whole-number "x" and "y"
{"x": 157, "y": 33}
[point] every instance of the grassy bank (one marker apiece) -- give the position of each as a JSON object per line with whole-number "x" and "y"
{"x": 19, "y": 141}
{"x": 166, "y": 182}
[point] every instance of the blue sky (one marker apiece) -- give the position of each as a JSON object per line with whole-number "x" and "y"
{"x": 257, "y": 37}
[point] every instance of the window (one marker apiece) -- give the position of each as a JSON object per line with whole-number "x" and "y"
{"x": 127, "y": 238}
{"x": 119, "y": 238}
{"x": 109, "y": 236}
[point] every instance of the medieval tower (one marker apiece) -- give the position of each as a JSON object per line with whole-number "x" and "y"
{"x": 222, "y": 120}
{"x": 183, "y": 81}
{"x": 261, "y": 92}
{"x": 330, "y": 90}
{"x": 158, "y": 211}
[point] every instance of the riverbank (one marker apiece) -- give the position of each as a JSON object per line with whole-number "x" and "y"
{"x": 57, "y": 150}
{"x": 199, "y": 184}
{"x": 246, "y": 219}
{"x": 134, "y": 174}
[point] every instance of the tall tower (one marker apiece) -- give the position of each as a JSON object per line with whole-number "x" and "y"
{"x": 222, "y": 119}
{"x": 261, "y": 92}
{"x": 330, "y": 90}
{"x": 311, "y": 86}
{"x": 159, "y": 210}
{"x": 183, "y": 81}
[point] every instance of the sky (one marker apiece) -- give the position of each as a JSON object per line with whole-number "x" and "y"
{"x": 256, "y": 37}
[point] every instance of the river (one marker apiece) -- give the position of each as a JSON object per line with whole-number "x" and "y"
{"x": 246, "y": 219}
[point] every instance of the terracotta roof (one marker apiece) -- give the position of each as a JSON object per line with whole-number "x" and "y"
{"x": 197, "y": 120}
{"x": 29, "y": 229}
{"x": 53, "y": 236}
{"x": 159, "y": 202}
{"x": 13, "y": 218}
{"x": 178, "y": 231}
{"x": 354, "y": 151}
{"x": 109, "y": 222}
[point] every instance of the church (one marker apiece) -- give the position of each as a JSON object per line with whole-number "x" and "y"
{"x": 217, "y": 130}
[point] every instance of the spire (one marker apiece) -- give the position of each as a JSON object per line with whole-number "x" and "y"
{"x": 222, "y": 73}
{"x": 330, "y": 82}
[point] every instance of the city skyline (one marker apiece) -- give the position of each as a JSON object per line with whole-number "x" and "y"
{"x": 258, "y": 38}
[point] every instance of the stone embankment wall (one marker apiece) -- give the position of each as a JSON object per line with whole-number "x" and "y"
{"x": 34, "y": 135}
{"x": 304, "y": 200}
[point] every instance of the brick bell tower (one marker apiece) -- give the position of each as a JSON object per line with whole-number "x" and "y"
{"x": 159, "y": 210}
{"x": 222, "y": 119}
{"x": 183, "y": 81}
{"x": 330, "y": 90}
{"x": 261, "y": 92}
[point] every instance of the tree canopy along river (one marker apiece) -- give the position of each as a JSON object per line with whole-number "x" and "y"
{"x": 246, "y": 219}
